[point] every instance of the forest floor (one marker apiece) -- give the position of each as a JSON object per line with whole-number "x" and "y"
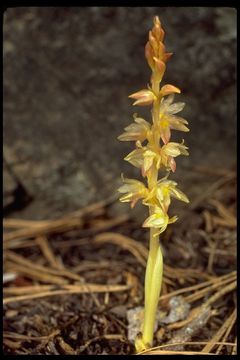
{"x": 75, "y": 285}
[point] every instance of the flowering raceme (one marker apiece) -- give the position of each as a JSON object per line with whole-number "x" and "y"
{"x": 154, "y": 151}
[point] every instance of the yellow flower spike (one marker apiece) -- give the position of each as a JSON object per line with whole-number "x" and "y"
{"x": 155, "y": 49}
{"x": 151, "y": 158}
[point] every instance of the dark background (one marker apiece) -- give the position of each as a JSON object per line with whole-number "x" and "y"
{"x": 67, "y": 76}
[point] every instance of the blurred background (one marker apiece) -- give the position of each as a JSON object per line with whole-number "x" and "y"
{"x": 67, "y": 76}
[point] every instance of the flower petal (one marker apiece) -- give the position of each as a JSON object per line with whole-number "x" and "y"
{"x": 176, "y": 107}
{"x": 165, "y": 134}
{"x": 142, "y": 122}
{"x": 167, "y": 56}
{"x": 149, "y": 53}
{"x": 148, "y": 160}
{"x": 169, "y": 89}
{"x": 172, "y": 149}
{"x": 175, "y": 149}
{"x": 172, "y": 164}
{"x": 177, "y": 123}
{"x": 160, "y": 68}
{"x": 143, "y": 97}
{"x": 178, "y": 194}
{"x": 173, "y": 219}
{"x": 135, "y": 157}
{"x": 155, "y": 221}
{"x": 136, "y": 131}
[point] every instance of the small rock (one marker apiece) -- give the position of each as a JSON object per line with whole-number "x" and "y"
{"x": 179, "y": 310}
{"x": 135, "y": 318}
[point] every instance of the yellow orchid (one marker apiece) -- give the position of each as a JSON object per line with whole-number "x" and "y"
{"x": 165, "y": 190}
{"x": 167, "y": 119}
{"x": 134, "y": 190}
{"x": 162, "y": 193}
{"x": 145, "y": 156}
{"x": 143, "y": 97}
{"x": 171, "y": 150}
{"x": 138, "y": 131}
{"x": 154, "y": 151}
{"x": 159, "y": 220}
{"x": 142, "y": 157}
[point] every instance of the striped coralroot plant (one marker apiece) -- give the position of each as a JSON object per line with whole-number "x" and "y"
{"x": 154, "y": 152}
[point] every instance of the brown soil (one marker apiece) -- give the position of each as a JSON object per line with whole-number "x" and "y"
{"x": 74, "y": 279}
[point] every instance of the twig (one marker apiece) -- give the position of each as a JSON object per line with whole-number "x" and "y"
{"x": 232, "y": 321}
{"x": 208, "y": 221}
{"x": 124, "y": 242}
{"x": 141, "y": 253}
{"x": 223, "y": 281}
{"x": 43, "y": 229}
{"x": 187, "y": 289}
{"x": 220, "y": 333}
{"x": 186, "y": 343}
{"x": 234, "y": 350}
{"x": 195, "y": 203}
{"x": 69, "y": 289}
{"x": 37, "y": 268}
{"x": 90, "y": 209}
{"x": 223, "y": 222}
{"x": 213, "y": 246}
{"x": 16, "y": 336}
{"x": 48, "y": 253}
{"x": 226, "y": 289}
{"x": 34, "y": 273}
{"x": 172, "y": 352}
{"x": 223, "y": 211}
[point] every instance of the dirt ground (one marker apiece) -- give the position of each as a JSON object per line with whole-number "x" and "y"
{"x": 70, "y": 283}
